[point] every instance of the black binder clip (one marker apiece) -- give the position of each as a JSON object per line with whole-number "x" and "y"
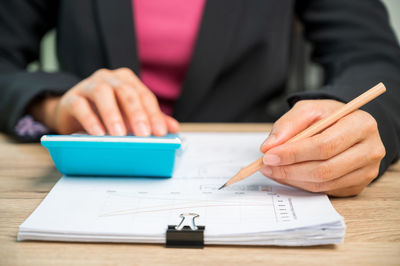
{"x": 186, "y": 234}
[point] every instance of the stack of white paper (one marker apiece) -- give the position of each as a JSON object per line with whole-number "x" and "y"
{"x": 256, "y": 211}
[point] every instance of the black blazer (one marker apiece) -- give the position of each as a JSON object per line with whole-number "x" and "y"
{"x": 240, "y": 61}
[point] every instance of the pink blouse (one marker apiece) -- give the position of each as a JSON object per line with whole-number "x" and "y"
{"x": 166, "y": 33}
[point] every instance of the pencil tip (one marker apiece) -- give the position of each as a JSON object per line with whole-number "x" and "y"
{"x": 224, "y": 185}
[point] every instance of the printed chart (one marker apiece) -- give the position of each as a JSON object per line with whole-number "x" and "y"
{"x": 244, "y": 203}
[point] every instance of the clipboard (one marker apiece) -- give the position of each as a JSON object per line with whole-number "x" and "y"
{"x": 86, "y": 155}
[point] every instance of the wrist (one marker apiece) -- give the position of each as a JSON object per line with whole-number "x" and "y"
{"x": 44, "y": 110}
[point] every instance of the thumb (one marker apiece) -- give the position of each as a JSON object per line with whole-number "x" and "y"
{"x": 290, "y": 124}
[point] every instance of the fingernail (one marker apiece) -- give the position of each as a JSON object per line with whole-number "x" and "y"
{"x": 98, "y": 131}
{"x": 118, "y": 131}
{"x": 143, "y": 129}
{"x": 271, "y": 159}
{"x": 266, "y": 170}
{"x": 271, "y": 139}
{"x": 160, "y": 129}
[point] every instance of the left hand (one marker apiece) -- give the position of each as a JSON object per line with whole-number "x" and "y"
{"x": 339, "y": 161}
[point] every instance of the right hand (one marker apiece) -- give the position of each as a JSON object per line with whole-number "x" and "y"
{"x": 111, "y": 102}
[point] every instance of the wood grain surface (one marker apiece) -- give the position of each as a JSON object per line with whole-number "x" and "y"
{"x": 27, "y": 174}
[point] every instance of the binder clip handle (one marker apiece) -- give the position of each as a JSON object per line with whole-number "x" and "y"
{"x": 186, "y": 234}
{"x": 187, "y": 220}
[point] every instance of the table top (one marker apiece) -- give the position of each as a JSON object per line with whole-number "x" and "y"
{"x": 27, "y": 174}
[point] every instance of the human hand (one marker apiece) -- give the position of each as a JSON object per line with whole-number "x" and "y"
{"x": 339, "y": 161}
{"x": 109, "y": 101}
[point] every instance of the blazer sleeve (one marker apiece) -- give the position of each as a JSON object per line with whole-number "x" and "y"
{"x": 357, "y": 48}
{"x": 22, "y": 26}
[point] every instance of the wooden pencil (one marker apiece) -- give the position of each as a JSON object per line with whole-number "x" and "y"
{"x": 314, "y": 129}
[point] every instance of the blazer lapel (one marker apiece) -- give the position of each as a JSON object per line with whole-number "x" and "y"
{"x": 216, "y": 33}
{"x": 118, "y": 33}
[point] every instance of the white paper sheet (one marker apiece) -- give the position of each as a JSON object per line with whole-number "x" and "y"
{"x": 256, "y": 211}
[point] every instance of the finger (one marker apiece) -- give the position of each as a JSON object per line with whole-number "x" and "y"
{"x": 346, "y": 132}
{"x": 347, "y": 192}
{"x": 172, "y": 124}
{"x": 104, "y": 99}
{"x": 356, "y": 179}
{"x": 149, "y": 102}
{"x": 133, "y": 109}
{"x": 290, "y": 124}
{"x": 80, "y": 108}
{"x": 154, "y": 113}
{"x": 356, "y": 157}
{"x": 342, "y": 192}
{"x": 359, "y": 177}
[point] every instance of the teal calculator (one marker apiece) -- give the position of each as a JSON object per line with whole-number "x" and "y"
{"x": 86, "y": 155}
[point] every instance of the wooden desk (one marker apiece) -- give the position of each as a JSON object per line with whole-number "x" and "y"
{"x": 27, "y": 175}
